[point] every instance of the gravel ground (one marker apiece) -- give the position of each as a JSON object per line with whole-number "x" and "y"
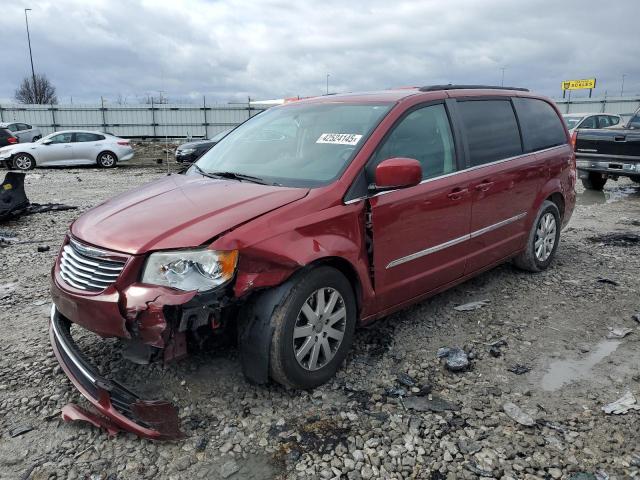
{"x": 393, "y": 411}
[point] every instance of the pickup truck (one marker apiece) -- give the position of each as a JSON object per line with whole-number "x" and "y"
{"x": 608, "y": 153}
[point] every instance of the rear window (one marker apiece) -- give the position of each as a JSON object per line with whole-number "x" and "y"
{"x": 541, "y": 125}
{"x": 88, "y": 137}
{"x": 491, "y": 130}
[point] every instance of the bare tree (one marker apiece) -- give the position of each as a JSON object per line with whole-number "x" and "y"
{"x": 43, "y": 93}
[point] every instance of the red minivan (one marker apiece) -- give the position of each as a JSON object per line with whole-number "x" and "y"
{"x": 306, "y": 221}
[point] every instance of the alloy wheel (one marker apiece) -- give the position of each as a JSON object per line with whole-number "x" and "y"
{"x": 319, "y": 328}
{"x": 22, "y": 162}
{"x": 545, "y": 237}
{"x": 107, "y": 160}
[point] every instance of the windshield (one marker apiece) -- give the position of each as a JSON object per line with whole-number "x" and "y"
{"x": 220, "y": 136}
{"x": 572, "y": 121}
{"x": 301, "y": 145}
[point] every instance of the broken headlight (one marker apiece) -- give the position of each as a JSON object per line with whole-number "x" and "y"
{"x": 190, "y": 269}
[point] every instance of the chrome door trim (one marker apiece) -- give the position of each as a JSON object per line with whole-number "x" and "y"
{"x": 455, "y": 241}
{"x": 457, "y": 172}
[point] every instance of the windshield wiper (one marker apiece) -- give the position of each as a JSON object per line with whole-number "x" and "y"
{"x": 202, "y": 172}
{"x": 238, "y": 176}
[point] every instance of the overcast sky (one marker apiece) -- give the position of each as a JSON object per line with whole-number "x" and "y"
{"x": 231, "y": 49}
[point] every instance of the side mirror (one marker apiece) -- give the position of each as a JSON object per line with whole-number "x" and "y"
{"x": 46, "y": 142}
{"x": 397, "y": 173}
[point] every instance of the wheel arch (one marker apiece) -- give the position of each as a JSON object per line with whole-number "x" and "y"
{"x": 106, "y": 151}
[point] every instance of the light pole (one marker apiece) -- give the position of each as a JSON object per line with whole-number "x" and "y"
{"x": 327, "y": 84}
{"x": 502, "y": 81}
{"x": 622, "y": 86}
{"x": 33, "y": 72}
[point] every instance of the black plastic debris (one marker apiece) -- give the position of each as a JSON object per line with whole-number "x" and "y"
{"x": 519, "y": 369}
{"x": 406, "y": 380}
{"x": 13, "y": 199}
{"x": 455, "y": 359}
{"x": 20, "y": 430}
{"x": 44, "y": 248}
{"x": 425, "y": 390}
{"x": 607, "y": 281}
{"x": 636, "y": 317}
{"x": 201, "y": 444}
{"x": 472, "y": 467}
{"x": 433, "y": 404}
{"x": 395, "y": 392}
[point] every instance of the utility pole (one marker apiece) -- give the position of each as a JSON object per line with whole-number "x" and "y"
{"x": 33, "y": 72}
{"x": 327, "y": 84}
{"x": 622, "y": 86}
{"x": 502, "y": 81}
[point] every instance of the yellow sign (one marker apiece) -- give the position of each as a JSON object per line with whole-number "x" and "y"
{"x": 579, "y": 84}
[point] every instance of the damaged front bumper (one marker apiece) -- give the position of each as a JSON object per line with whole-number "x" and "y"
{"x": 151, "y": 419}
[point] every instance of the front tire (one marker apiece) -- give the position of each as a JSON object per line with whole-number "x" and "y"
{"x": 107, "y": 160}
{"x": 24, "y": 162}
{"x": 595, "y": 181}
{"x": 312, "y": 329}
{"x": 543, "y": 240}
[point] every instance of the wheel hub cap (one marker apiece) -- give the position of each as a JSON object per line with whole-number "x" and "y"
{"x": 319, "y": 328}
{"x": 545, "y": 237}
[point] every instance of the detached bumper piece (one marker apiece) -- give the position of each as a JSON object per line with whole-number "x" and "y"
{"x": 156, "y": 420}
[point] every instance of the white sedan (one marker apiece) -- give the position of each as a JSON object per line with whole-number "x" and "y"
{"x": 68, "y": 148}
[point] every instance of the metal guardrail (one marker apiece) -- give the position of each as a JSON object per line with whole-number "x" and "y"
{"x": 133, "y": 121}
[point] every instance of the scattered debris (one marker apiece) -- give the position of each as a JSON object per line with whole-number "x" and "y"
{"x": 44, "y": 248}
{"x": 519, "y": 369}
{"x": 426, "y": 404}
{"x": 395, "y": 392}
{"x": 515, "y": 413}
{"x": 201, "y": 444}
{"x": 619, "y": 332}
{"x": 636, "y": 317}
{"x": 455, "y": 358}
{"x": 608, "y": 281}
{"x": 467, "y": 307}
{"x": 551, "y": 425}
{"x": 472, "y": 467}
{"x": 72, "y": 412}
{"x": 406, "y": 380}
{"x": 7, "y": 288}
{"x": 20, "y": 430}
{"x": 625, "y": 239}
{"x": 425, "y": 390}
{"x": 622, "y": 405}
{"x": 582, "y": 476}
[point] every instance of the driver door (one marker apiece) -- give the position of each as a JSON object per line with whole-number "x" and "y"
{"x": 420, "y": 233}
{"x": 59, "y": 150}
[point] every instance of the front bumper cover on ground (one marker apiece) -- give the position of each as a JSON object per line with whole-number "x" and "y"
{"x": 150, "y": 419}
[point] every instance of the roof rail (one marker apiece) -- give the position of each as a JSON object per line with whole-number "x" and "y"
{"x": 432, "y": 88}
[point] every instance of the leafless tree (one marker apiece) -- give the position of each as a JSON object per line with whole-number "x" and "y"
{"x": 43, "y": 93}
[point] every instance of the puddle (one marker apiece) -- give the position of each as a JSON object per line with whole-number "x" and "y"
{"x": 610, "y": 195}
{"x": 563, "y": 372}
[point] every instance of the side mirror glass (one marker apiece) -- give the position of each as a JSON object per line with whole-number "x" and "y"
{"x": 46, "y": 142}
{"x": 397, "y": 172}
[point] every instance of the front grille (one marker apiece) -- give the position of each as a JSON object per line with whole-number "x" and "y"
{"x": 89, "y": 268}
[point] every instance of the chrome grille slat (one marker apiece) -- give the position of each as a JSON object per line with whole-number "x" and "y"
{"x": 81, "y": 269}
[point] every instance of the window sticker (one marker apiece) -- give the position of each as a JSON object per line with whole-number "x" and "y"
{"x": 339, "y": 138}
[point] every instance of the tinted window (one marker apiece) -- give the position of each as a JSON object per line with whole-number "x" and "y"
{"x": 423, "y": 135}
{"x": 614, "y": 120}
{"x": 13, "y": 127}
{"x": 88, "y": 137}
{"x": 491, "y": 130}
{"x": 589, "y": 122}
{"x": 61, "y": 138}
{"x": 24, "y": 126}
{"x": 541, "y": 125}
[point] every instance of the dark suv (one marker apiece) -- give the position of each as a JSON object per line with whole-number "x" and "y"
{"x": 307, "y": 221}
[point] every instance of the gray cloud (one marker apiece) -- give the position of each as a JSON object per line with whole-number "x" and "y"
{"x": 231, "y": 49}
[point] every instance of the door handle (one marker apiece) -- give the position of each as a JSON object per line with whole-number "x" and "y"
{"x": 457, "y": 193}
{"x": 619, "y": 138}
{"x": 484, "y": 186}
{"x": 67, "y": 146}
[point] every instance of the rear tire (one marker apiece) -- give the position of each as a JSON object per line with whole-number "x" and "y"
{"x": 543, "y": 240}
{"x": 107, "y": 160}
{"x": 24, "y": 162}
{"x": 36, "y": 138}
{"x": 313, "y": 355}
{"x": 594, "y": 182}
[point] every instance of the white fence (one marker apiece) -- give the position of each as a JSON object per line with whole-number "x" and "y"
{"x": 619, "y": 105}
{"x": 144, "y": 121}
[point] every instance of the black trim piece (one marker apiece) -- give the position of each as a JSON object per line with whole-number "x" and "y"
{"x": 434, "y": 88}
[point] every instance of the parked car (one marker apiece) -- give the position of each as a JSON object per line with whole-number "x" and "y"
{"x": 68, "y": 148}
{"x": 25, "y": 133}
{"x": 576, "y": 121}
{"x": 306, "y": 221}
{"x": 191, "y": 151}
{"x": 608, "y": 154}
{"x": 7, "y": 138}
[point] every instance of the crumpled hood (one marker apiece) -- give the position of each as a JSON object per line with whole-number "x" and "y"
{"x": 178, "y": 211}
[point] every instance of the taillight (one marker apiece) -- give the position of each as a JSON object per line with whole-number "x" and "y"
{"x": 123, "y": 142}
{"x": 12, "y": 140}
{"x": 574, "y": 139}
